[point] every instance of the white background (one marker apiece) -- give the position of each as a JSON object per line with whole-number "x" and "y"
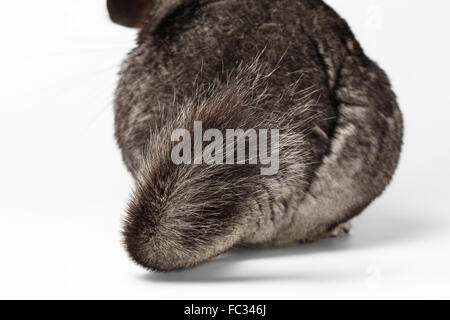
{"x": 63, "y": 187}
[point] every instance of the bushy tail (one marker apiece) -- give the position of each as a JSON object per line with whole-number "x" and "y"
{"x": 182, "y": 215}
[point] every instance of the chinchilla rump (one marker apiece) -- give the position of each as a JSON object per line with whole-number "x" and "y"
{"x": 287, "y": 65}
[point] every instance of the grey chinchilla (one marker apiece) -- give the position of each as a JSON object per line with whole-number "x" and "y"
{"x": 292, "y": 65}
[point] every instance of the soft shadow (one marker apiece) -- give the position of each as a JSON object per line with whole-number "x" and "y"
{"x": 216, "y": 271}
{"x": 369, "y": 231}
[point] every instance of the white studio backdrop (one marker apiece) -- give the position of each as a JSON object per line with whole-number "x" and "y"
{"x": 63, "y": 187}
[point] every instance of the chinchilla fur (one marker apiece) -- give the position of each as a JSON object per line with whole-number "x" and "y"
{"x": 292, "y": 65}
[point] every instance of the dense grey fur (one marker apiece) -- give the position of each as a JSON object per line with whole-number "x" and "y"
{"x": 287, "y": 64}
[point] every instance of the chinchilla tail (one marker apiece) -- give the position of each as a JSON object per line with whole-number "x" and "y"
{"x": 184, "y": 214}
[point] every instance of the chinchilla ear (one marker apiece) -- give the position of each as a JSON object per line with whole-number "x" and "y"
{"x": 134, "y": 13}
{"x": 129, "y": 13}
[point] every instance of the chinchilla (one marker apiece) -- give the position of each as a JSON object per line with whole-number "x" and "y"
{"x": 287, "y": 65}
